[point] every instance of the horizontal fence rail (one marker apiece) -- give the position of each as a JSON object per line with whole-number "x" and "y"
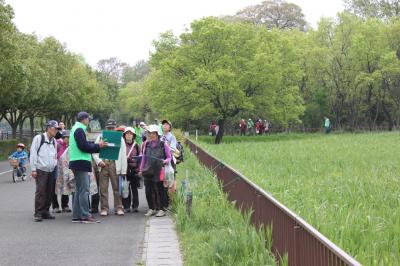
{"x": 291, "y": 235}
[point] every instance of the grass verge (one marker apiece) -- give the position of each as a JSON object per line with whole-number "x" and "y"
{"x": 216, "y": 233}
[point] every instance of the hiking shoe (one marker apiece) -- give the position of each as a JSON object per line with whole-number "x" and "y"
{"x": 135, "y": 210}
{"x": 160, "y": 213}
{"x": 66, "y": 209}
{"x": 56, "y": 210}
{"x": 103, "y": 213}
{"x": 37, "y": 218}
{"x": 89, "y": 220}
{"x": 150, "y": 212}
{"x": 76, "y": 220}
{"x": 120, "y": 213}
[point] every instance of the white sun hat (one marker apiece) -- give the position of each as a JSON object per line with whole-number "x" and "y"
{"x": 154, "y": 128}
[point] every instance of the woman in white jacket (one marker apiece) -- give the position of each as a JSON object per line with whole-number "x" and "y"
{"x": 109, "y": 172}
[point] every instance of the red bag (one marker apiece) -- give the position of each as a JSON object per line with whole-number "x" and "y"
{"x": 162, "y": 174}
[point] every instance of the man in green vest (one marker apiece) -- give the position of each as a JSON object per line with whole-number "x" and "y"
{"x": 80, "y": 150}
{"x": 139, "y": 132}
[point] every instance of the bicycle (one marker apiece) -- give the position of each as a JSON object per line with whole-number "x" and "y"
{"x": 17, "y": 170}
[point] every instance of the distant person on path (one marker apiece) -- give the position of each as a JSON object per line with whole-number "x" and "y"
{"x": 243, "y": 127}
{"x": 212, "y": 128}
{"x": 43, "y": 159}
{"x": 327, "y": 125}
{"x": 132, "y": 173}
{"x": 250, "y": 126}
{"x": 62, "y": 145}
{"x": 156, "y": 154}
{"x": 109, "y": 171}
{"x": 139, "y": 133}
{"x": 266, "y": 126}
{"x": 142, "y": 131}
{"x": 80, "y": 150}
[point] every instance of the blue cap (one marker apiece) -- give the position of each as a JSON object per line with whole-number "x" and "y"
{"x": 52, "y": 123}
{"x": 82, "y": 115}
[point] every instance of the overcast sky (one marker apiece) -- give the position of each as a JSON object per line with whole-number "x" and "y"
{"x": 100, "y": 29}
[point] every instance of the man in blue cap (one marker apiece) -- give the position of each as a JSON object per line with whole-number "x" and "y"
{"x": 80, "y": 150}
{"x": 43, "y": 160}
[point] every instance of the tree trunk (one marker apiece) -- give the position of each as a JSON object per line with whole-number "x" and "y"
{"x": 388, "y": 116}
{"x": 32, "y": 125}
{"x": 21, "y": 129}
{"x": 221, "y": 124}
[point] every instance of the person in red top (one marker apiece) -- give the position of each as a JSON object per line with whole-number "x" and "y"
{"x": 243, "y": 127}
{"x": 213, "y": 126}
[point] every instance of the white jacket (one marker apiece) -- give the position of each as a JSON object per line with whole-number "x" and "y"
{"x": 121, "y": 164}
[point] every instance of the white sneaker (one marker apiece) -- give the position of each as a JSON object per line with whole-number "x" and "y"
{"x": 103, "y": 213}
{"x": 160, "y": 213}
{"x": 120, "y": 213}
{"x": 150, "y": 212}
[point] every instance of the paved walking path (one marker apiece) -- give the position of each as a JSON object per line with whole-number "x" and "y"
{"x": 161, "y": 245}
{"x": 115, "y": 241}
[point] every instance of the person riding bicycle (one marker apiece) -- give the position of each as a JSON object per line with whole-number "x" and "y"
{"x": 21, "y": 155}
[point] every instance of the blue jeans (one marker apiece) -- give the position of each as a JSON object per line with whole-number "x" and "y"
{"x": 80, "y": 207}
{"x": 21, "y": 169}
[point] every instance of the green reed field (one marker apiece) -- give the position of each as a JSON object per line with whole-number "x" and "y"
{"x": 346, "y": 185}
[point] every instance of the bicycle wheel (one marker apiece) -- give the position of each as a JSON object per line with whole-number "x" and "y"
{"x": 14, "y": 175}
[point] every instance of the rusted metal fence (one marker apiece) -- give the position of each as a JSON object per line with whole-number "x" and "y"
{"x": 291, "y": 235}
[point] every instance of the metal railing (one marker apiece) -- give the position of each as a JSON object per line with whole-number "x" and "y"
{"x": 6, "y": 135}
{"x": 291, "y": 235}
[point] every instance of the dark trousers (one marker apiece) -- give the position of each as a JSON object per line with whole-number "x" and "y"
{"x": 155, "y": 195}
{"x": 64, "y": 201}
{"x": 94, "y": 205}
{"x": 43, "y": 194}
{"x": 133, "y": 198}
{"x": 21, "y": 169}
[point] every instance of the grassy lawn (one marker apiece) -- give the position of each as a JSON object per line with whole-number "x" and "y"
{"x": 347, "y": 185}
{"x": 216, "y": 233}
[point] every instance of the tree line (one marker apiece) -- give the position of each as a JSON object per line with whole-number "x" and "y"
{"x": 40, "y": 79}
{"x": 266, "y": 61}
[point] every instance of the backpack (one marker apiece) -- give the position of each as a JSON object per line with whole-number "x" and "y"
{"x": 42, "y": 141}
{"x": 148, "y": 170}
{"x": 179, "y": 147}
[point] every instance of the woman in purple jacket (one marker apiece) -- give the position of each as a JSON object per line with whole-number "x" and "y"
{"x": 156, "y": 154}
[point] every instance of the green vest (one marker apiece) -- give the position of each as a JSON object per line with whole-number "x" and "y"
{"x": 75, "y": 154}
{"x": 138, "y": 132}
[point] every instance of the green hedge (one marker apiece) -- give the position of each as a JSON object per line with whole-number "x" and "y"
{"x": 9, "y": 146}
{"x": 216, "y": 233}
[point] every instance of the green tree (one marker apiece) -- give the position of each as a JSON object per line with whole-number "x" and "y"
{"x": 384, "y": 9}
{"x": 220, "y": 69}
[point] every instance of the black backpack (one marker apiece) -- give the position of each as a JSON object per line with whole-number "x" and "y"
{"x": 179, "y": 147}
{"x": 43, "y": 140}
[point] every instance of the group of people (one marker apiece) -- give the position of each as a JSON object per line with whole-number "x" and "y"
{"x": 248, "y": 127}
{"x": 67, "y": 163}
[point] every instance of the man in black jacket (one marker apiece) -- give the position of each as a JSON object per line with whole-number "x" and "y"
{"x": 80, "y": 150}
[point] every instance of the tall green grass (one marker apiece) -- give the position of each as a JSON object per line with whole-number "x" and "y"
{"x": 216, "y": 233}
{"x": 347, "y": 186}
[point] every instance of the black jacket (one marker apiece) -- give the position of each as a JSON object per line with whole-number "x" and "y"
{"x": 85, "y": 146}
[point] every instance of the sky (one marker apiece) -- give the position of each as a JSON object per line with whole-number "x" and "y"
{"x": 100, "y": 29}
